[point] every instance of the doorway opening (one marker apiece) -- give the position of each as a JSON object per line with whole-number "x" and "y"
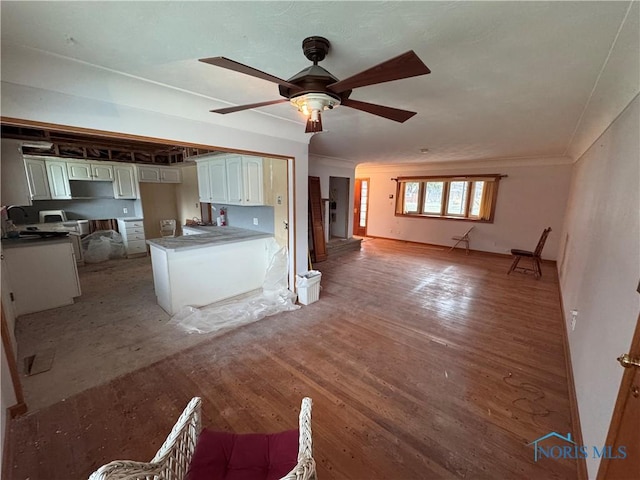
{"x": 338, "y": 207}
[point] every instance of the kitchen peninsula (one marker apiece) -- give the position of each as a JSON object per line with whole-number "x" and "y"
{"x": 201, "y": 269}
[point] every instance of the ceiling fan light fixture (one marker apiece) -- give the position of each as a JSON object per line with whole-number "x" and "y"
{"x": 311, "y": 104}
{"x": 314, "y": 126}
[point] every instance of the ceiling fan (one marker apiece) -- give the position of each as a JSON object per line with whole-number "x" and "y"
{"x": 314, "y": 89}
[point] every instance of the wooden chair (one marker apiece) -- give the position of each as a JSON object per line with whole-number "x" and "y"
{"x": 187, "y": 452}
{"x": 462, "y": 239}
{"x": 534, "y": 256}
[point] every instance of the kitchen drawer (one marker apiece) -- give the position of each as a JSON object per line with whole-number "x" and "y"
{"x": 133, "y": 224}
{"x": 137, "y": 247}
{"x": 132, "y": 231}
{"x": 132, "y": 237}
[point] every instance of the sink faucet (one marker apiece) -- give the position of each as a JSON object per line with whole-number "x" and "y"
{"x": 10, "y": 207}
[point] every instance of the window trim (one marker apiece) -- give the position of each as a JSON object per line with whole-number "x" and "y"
{"x": 447, "y": 179}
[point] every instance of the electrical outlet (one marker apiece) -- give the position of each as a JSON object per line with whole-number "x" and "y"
{"x": 255, "y": 221}
{"x": 279, "y": 200}
{"x": 125, "y": 210}
{"x": 574, "y": 319}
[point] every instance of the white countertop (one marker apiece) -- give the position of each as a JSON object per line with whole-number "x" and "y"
{"x": 214, "y": 236}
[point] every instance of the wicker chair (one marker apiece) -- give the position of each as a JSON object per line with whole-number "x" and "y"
{"x": 172, "y": 461}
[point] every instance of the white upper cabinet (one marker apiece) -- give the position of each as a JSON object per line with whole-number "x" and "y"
{"x": 58, "y": 179}
{"x": 125, "y": 186}
{"x": 149, "y": 174}
{"x": 102, "y": 172}
{"x": 218, "y": 181}
{"x": 212, "y": 181}
{"x": 204, "y": 186}
{"x": 253, "y": 183}
{"x": 235, "y": 180}
{"x": 153, "y": 174}
{"x": 231, "y": 179}
{"x": 90, "y": 171}
{"x": 37, "y": 179}
{"x": 170, "y": 175}
{"x": 79, "y": 171}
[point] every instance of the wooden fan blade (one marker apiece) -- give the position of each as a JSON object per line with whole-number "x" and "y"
{"x": 403, "y": 66}
{"x": 394, "y": 114}
{"x": 239, "y": 67}
{"x": 239, "y": 108}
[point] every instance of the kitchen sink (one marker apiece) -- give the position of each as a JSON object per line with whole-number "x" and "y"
{"x": 35, "y": 235}
{"x": 41, "y": 234}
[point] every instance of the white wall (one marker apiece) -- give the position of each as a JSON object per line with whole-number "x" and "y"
{"x": 600, "y": 267}
{"x": 325, "y": 168}
{"x": 532, "y": 197}
{"x": 187, "y": 197}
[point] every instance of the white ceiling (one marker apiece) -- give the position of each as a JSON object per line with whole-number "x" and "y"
{"x": 509, "y": 79}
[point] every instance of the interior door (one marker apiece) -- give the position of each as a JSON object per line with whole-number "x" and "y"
{"x": 624, "y": 430}
{"x": 316, "y": 224}
{"x": 361, "y": 207}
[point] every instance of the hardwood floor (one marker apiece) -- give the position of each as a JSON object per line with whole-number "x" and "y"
{"x": 420, "y": 363}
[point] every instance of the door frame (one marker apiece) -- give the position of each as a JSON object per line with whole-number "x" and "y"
{"x": 621, "y": 402}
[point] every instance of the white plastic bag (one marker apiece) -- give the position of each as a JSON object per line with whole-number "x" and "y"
{"x": 102, "y": 245}
{"x": 220, "y": 317}
{"x": 309, "y": 278}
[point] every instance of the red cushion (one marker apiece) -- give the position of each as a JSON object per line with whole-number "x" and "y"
{"x": 253, "y": 456}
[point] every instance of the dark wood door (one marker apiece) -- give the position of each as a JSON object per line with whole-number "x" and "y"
{"x": 361, "y": 207}
{"x": 624, "y": 430}
{"x": 317, "y": 245}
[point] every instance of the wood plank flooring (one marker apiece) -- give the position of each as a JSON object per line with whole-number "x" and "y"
{"x": 421, "y": 364}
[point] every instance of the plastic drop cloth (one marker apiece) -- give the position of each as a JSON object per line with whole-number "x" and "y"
{"x": 274, "y": 298}
{"x": 102, "y": 245}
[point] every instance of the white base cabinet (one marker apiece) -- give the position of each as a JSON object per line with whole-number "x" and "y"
{"x": 132, "y": 231}
{"x": 43, "y": 275}
{"x": 208, "y": 274}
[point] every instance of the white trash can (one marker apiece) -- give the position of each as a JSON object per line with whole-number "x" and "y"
{"x": 308, "y": 286}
